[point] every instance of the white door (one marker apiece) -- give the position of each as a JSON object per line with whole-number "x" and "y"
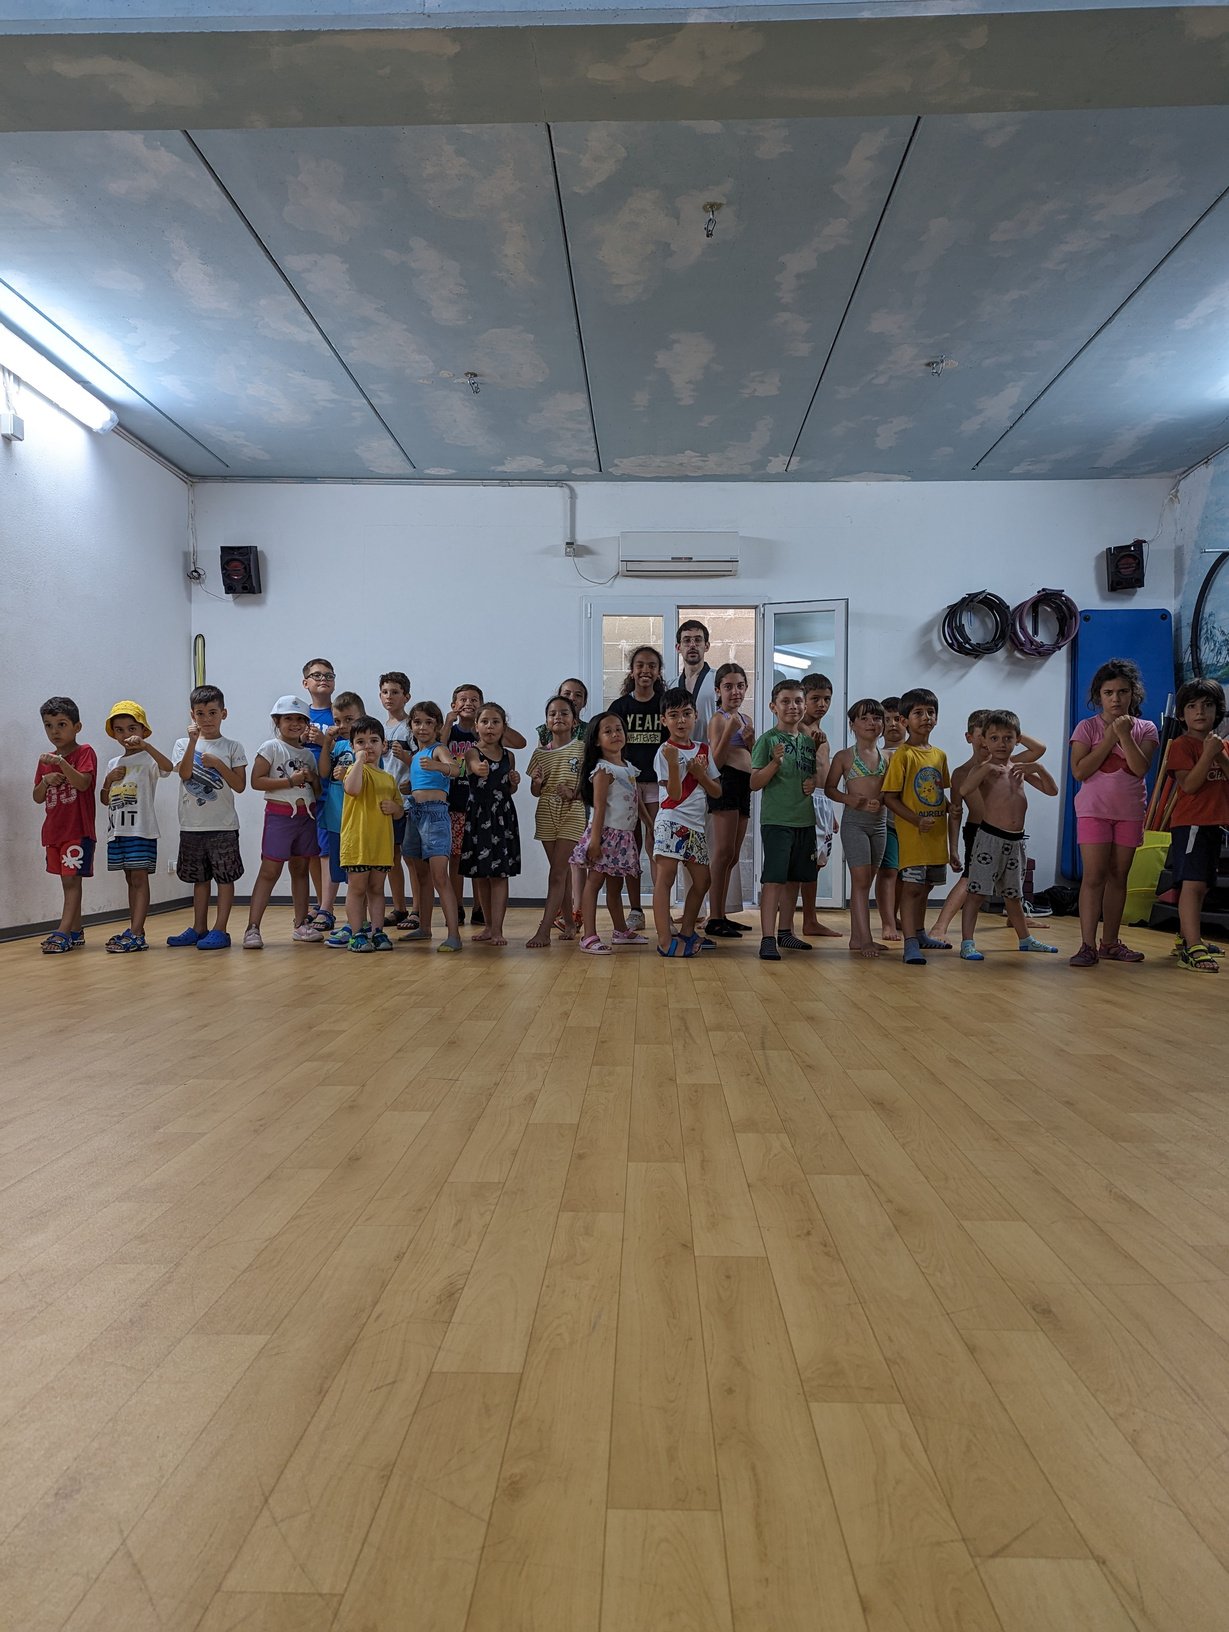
{"x": 798, "y": 638}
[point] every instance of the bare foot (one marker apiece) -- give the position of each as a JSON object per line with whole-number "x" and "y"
{"x": 482, "y": 935}
{"x": 542, "y": 938}
{"x": 496, "y": 940}
{"x": 891, "y": 934}
{"x": 567, "y": 934}
{"x": 822, "y": 931}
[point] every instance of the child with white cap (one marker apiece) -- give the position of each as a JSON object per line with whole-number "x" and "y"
{"x": 128, "y": 792}
{"x": 285, "y": 771}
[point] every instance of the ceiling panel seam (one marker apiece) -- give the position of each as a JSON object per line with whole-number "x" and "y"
{"x": 853, "y": 293}
{"x": 295, "y": 295}
{"x": 115, "y": 374}
{"x": 580, "y": 333}
{"x": 1101, "y": 327}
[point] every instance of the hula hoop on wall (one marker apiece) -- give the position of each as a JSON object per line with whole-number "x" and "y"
{"x": 1201, "y": 601}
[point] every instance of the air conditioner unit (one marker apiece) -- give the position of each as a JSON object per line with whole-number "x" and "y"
{"x": 678, "y": 555}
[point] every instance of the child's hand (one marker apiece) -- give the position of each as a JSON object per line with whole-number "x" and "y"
{"x": 514, "y": 780}
{"x": 808, "y": 785}
{"x": 315, "y": 735}
{"x": 402, "y": 752}
{"x": 135, "y": 744}
{"x": 194, "y": 731}
{"x": 593, "y": 850}
{"x": 955, "y": 862}
{"x": 778, "y": 752}
{"x": 297, "y": 778}
{"x": 670, "y": 753}
{"x": 535, "y": 783}
{"x": 339, "y": 773}
{"x": 821, "y": 860}
{"x": 211, "y": 762}
{"x": 925, "y": 823}
{"x": 567, "y": 792}
{"x": 52, "y": 779}
{"x": 484, "y": 768}
{"x": 391, "y": 807}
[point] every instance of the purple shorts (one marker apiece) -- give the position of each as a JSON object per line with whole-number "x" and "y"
{"x": 1103, "y": 830}
{"x": 288, "y": 833}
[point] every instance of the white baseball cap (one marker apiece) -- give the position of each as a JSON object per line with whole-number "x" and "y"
{"x": 292, "y": 705}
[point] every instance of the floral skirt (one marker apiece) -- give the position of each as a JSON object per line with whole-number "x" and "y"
{"x": 620, "y": 855}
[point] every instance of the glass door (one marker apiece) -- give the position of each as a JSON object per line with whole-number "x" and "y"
{"x": 799, "y": 638}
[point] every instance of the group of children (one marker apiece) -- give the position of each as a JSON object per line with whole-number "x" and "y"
{"x": 667, "y": 768}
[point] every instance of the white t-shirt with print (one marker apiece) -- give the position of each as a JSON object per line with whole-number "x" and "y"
{"x": 131, "y": 812}
{"x": 282, "y": 759}
{"x": 693, "y": 808}
{"x": 621, "y": 806}
{"x": 206, "y": 801}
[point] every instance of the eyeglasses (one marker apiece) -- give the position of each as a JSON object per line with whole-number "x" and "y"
{"x": 320, "y": 674}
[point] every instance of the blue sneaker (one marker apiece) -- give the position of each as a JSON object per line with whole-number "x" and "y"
{"x": 360, "y": 943}
{"x": 340, "y": 937}
{"x": 213, "y": 941}
{"x": 380, "y": 942}
{"x": 186, "y": 937}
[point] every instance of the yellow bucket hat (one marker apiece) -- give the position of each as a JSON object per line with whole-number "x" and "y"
{"x": 134, "y": 710}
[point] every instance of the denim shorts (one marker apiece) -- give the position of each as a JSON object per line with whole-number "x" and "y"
{"x": 428, "y": 831}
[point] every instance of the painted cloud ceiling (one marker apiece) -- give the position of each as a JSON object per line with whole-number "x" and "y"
{"x": 324, "y": 302}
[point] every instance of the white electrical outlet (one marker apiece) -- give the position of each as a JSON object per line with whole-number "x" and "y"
{"x": 12, "y": 427}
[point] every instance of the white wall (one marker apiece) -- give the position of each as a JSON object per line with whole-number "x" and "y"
{"x": 454, "y": 584}
{"x": 95, "y": 607}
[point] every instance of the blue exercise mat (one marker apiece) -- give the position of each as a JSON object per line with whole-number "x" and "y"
{"x": 1146, "y": 636}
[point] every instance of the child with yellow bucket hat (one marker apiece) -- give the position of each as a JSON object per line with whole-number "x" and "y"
{"x": 128, "y": 794}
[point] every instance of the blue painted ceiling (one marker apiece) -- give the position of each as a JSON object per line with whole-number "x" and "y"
{"x": 308, "y": 302}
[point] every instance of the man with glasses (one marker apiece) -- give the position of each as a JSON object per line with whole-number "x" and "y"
{"x": 320, "y": 679}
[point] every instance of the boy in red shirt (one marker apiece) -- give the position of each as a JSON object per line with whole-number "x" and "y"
{"x": 1199, "y": 760}
{"x": 64, "y": 786}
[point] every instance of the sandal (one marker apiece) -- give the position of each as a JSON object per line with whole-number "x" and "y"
{"x": 323, "y": 920}
{"x": 691, "y": 945}
{"x": 594, "y": 944}
{"x": 58, "y": 941}
{"x": 1197, "y": 956}
{"x": 671, "y": 951}
{"x": 1120, "y": 952}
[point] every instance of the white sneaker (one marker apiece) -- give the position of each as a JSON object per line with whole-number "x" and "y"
{"x": 306, "y": 932}
{"x": 635, "y": 919}
{"x": 251, "y": 939}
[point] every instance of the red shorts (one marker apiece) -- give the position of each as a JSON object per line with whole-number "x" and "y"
{"x": 73, "y": 859}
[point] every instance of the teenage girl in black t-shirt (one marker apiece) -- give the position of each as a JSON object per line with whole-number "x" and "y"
{"x": 639, "y": 708}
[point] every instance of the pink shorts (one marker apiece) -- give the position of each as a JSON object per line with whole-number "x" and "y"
{"x": 1101, "y": 830}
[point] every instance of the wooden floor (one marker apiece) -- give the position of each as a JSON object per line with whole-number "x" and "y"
{"x": 531, "y": 1292}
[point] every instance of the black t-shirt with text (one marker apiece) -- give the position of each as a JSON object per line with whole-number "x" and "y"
{"x": 645, "y": 735}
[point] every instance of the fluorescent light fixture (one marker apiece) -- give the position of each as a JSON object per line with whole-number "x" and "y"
{"x": 790, "y": 660}
{"x": 49, "y": 381}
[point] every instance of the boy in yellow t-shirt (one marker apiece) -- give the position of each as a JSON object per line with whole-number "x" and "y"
{"x": 915, "y": 790}
{"x": 371, "y": 803}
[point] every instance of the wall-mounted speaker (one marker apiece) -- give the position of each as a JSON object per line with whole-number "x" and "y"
{"x": 1125, "y": 565}
{"x": 240, "y": 566}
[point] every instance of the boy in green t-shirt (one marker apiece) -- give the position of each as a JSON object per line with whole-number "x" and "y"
{"x": 783, "y": 765}
{"x": 915, "y": 790}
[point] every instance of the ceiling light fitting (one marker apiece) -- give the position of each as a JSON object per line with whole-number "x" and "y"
{"x": 50, "y": 381}
{"x": 471, "y": 379}
{"x": 710, "y": 215}
{"x": 936, "y": 365}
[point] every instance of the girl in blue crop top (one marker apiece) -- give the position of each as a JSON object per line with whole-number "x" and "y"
{"x": 428, "y": 829}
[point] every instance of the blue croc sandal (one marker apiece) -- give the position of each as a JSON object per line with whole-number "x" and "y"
{"x": 671, "y": 951}
{"x": 58, "y": 941}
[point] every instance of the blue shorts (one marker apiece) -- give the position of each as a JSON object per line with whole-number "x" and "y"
{"x": 129, "y": 855}
{"x": 428, "y": 831}
{"x": 332, "y": 849}
{"x": 399, "y": 833}
{"x": 322, "y": 832}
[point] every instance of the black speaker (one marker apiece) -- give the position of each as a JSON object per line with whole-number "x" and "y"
{"x": 1125, "y": 565}
{"x": 241, "y": 570}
